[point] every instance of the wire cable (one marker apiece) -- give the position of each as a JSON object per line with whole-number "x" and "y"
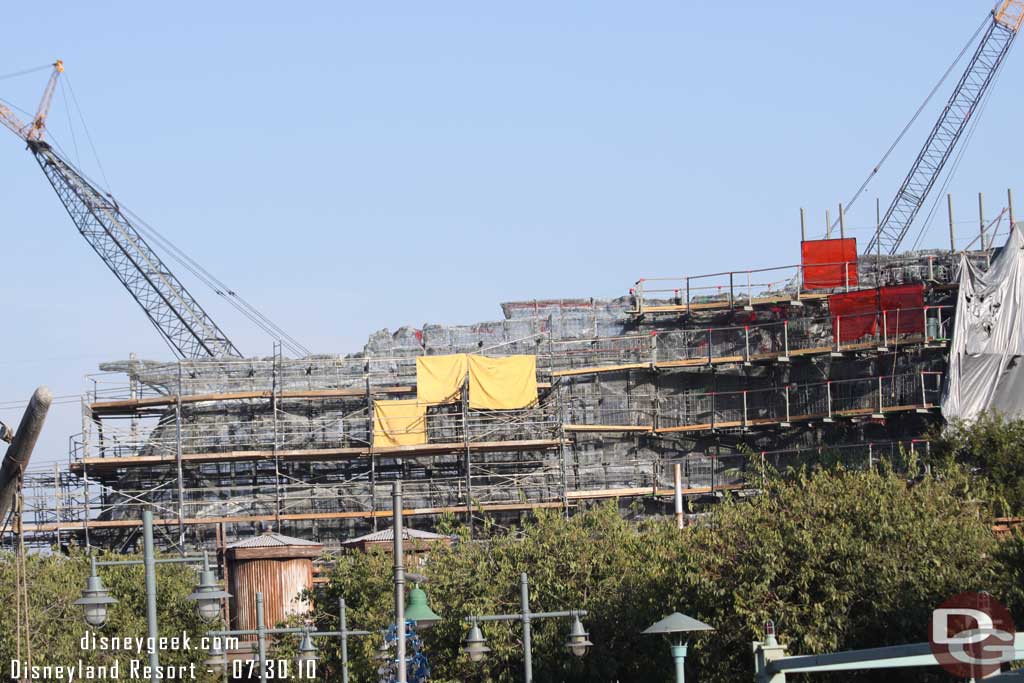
{"x": 24, "y": 72}
{"x": 190, "y": 264}
{"x": 913, "y": 119}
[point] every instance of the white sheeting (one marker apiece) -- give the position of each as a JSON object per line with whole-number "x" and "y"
{"x": 985, "y": 360}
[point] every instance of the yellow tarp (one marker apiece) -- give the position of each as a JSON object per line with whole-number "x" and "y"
{"x": 439, "y": 379}
{"x": 507, "y": 383}
{"x": 399, "y": 423}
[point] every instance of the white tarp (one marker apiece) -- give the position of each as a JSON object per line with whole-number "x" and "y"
{"x": 988, "y": 337}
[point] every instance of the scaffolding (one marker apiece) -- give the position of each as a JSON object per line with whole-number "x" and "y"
{"x": 219, "y": 448}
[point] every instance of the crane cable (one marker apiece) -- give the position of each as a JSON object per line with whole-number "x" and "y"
{"x": 205, "y": 276}
{"x": 218, "y": 286}
{"x": 913, "y": 119}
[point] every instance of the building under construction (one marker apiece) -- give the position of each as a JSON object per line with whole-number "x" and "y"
{"x": 558, "y": 404}
{"x": 719, "y": 379}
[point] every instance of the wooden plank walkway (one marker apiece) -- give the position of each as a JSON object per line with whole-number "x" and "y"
{"x": 756, "y": 422}
{"x": 677, "y": 309}
{"x": 780, "y": 356}
{"x": 574, "y": 496}
{"x": 135, "y": 406}
{"x": 316, "y": 454}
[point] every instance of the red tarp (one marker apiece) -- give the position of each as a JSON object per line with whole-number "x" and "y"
{"x": 904, "y": 308}
{"x": 828, "y": 263}
{"x": 857, "y": 314}
{"x": 854, "y": 314}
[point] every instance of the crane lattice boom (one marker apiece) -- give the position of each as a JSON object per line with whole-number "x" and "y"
{"x": 173, "y": 311}
{"x": 179, "y": 318}
{"x": 962, "y": 104}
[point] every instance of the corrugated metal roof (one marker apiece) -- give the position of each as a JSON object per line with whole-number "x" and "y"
{"x": 271, "y": 540}
{"x": 388, "y": 534}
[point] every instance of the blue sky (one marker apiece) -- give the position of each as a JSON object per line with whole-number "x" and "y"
{"x": 353, "y": 166}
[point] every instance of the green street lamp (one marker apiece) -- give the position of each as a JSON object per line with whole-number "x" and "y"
{"x": 417, "y": 611}
{"x": 675, "y": 627}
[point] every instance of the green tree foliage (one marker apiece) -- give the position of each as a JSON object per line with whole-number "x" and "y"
{"x": 57, "y": 626}
{"x": 839, "y": 559}
{"x": 990, "y": 449}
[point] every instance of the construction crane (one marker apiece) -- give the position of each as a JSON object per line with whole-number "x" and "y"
{"x": 181, "y": 321}
{"x": 962, "y": 105}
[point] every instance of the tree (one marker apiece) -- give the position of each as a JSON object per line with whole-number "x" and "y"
{"x": 989, "y": 448}
{"x": 57, "y": 625}
{"x": 839, "y": 559}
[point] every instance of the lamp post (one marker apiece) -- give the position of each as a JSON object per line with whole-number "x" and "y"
{"x": 396, "y": 513}
{"x": 418, "y": 614}
{"x": 307, "y": 651}
{"x": 475, "y": 643}
{"x": 344, "y": 634}
{"x": 96, "y": 598}
{"x": 675, "y": 627}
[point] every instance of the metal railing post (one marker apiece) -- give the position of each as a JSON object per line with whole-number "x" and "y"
{"x": 828, "y": 396}
{"x": 746, "y": 344}
{"x": 710, "y": 352}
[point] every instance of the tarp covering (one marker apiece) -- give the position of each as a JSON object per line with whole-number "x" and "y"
{"x": 904, "y": 308}
{"x": 439, "y": 379}
{"x": 507, "y": 383}
{"x": 828, "y": 263}
{"x": 988, "y": 338}
{"x": 858, "y": 314}
{"x": 399, "y": 423}
{"x": 854, "y": 314}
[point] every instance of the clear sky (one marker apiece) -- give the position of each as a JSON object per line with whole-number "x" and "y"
{"x": 354, "y": 166}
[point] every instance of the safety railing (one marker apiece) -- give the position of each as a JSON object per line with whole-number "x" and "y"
{"x": 424, "y": 424}
{"x": 780, "y": 339}
{"x": 727, "y": 289}
{"x": 709, "y": 410}
{"x": 733, "y": 470}
{"x": 738, "y": 288}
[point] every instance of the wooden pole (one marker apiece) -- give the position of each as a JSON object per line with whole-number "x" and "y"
{"x": 981, "y": 219}
{"x": 1009, "y": 203}
{"x": 952, "y": 233}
